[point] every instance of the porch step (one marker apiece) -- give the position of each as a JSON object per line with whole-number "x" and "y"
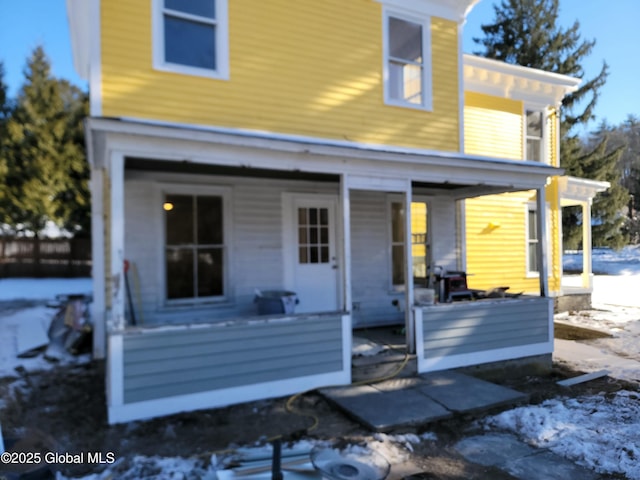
{"x": 420, "y": 399}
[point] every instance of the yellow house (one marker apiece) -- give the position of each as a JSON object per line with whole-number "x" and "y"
{"x": 279, "y": 173}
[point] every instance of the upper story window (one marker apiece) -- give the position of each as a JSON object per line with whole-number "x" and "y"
{"x": 534, "y": 136}
{"x": 191, "y": 37}
{"x": 407, "y": 60}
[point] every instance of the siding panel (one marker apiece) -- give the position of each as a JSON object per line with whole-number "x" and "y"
{"x": 160, "y": 364}
{"x": 484, "y": 325}
{"x": 333, "y": 90}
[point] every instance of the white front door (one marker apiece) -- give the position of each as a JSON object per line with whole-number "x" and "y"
{"x": 310, "y": 252}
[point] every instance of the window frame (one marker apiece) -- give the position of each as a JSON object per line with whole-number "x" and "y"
{"x": 215, "y": 191}
{"x": 391, "y": 199}
{"x": 427, "y": 71}
{"x": 221, "y": 22}
{"x": 544, "y": 157}
{"x": 532, "y": 207}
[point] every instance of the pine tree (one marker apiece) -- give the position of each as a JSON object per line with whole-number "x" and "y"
{"x": 44, "y": 152}
{"x": 5, "y": 111}
{"x": 525, "y": 32}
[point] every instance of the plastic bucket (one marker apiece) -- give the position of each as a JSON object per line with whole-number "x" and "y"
{"x": 272, "y": 302}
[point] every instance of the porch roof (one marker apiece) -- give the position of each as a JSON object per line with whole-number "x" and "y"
{"x": 574, "y": 190}
{"x": 452, "y": 173}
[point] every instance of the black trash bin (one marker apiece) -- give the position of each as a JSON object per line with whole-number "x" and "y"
{"x": 272, "y": 302}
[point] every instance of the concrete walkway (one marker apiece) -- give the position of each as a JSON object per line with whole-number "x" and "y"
{"x": 590, "y": 359}
{"x": 507, "y": 453}
{"x": 419, "y": 400}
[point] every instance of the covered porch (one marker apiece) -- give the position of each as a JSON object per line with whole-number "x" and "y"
{"x": 295, "y": 214}
{"x": 579, "y": 192}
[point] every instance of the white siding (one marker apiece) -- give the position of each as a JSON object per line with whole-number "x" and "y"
{"x": 255, "y": 249}
{"x": 370, "y": 262}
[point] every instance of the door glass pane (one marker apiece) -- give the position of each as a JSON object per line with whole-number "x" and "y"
{"x": 302, "y": 216}
{"x": 313, "y": 254}
{"x": 303, "y": 256}
{"x": 324, "y": 254}
{"x": 189, "y": 43}
{"x": 324, "y": 216}
{"x": 210, "y": 225}
{"x": 210, "y": 272}
{"x": 302, "y": 236}
{"x": 179, "y": 219}
{"x": 203, "y": 8}
{"x": 313, "y": 216}
{"x": 179, "y": 263}
{"x": 324, "y": 235}
{"x": 313, "y": 235}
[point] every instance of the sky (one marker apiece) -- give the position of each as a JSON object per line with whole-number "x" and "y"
{"x": 24, "y": 24}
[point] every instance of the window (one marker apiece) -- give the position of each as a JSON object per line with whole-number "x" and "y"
{"x": 190, "y": 36}
{"x": 313, "y": 235}
{"x": 194, "y": 247}
{"x": 407, "y": 60}
{"x": 532, "y": 240}
{"x": 420, "y": 249}
{"x": 534, "y": 138}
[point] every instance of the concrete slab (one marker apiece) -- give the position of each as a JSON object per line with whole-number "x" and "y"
{"x": 463, "y": 393}
{"x": 382, "y": 410}
{"x": 506, "y": 452}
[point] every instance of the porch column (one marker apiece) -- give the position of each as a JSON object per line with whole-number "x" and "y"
{"x": 409, "y": 326}
{"x": 586, "y": 245}
{"x": 118, "y": 321}
{"x": 345, "y": 204}
{"x": 541, "y": 205}
{"x": 98, "y": 305}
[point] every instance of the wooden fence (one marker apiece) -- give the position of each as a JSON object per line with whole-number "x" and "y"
{"x": 36, "y": 257}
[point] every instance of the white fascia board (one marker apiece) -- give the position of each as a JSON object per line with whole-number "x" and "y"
{"x": 574, "y": 190}
{"x": 454, "y": 10}
{"x": 78, "y": 15}
{"x": 206, "y": 145}
{"x": 493, "y": 77}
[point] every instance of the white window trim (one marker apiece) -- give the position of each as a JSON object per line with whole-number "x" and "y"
{"x": 427, "y": 78}
{"x": 528, "y": 207}
{"x": 222, "y": 44}
{"x": 545, "y": 159}
{"x": 182, "y": 189}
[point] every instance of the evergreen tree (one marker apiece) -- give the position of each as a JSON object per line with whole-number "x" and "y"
{"x": 525, "y": 32}
{"x": 5, "y": 111}
{"x": 44, "y": 154}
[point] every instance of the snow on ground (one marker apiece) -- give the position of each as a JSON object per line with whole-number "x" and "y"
{"x": 42, "y": 288}
{"x": 597, "y": 431}
{"x": 23, "y": 328}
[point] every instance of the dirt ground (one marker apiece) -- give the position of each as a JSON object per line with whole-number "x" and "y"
{"x": 64, "y": 410}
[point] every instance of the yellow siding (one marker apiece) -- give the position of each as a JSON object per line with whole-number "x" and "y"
{"x": 301, "y": 67}
{"x": 497, "y": 242}
{"x": 492, "y": 126}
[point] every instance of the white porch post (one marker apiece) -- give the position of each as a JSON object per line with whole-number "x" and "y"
{"x": 117, "y": 241}
{"x": 98, "y": 304}
{"x": 543, "y": 268}
{"x": 409, "y": 326}
{"x": 586, "y": 245}
{"x": 345, "y": 204}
